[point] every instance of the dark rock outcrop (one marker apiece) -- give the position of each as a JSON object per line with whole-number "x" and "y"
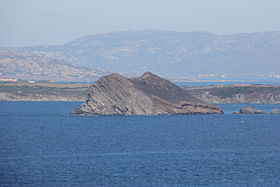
{"x": 149, "y": 94}
{"x": 249, "y": 110}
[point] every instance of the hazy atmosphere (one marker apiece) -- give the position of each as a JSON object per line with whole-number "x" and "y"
{"x": 140, "y": 93}
{"x": 34, "y": 22}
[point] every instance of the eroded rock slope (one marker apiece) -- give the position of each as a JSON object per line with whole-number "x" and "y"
{"x": 148, "y": 94}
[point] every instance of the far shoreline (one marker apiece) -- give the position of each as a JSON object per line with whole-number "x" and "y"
{"x": 72, "y": 92}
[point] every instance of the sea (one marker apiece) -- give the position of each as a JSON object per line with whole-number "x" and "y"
{"x": 42, "y": 145}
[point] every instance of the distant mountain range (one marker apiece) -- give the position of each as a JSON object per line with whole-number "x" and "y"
{"x": 40, "y": 66}
{"x": 167, "y": 53}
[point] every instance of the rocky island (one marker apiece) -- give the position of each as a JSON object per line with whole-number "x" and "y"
{"x": 148, "y": 94}
{"x": 249, "y": 110}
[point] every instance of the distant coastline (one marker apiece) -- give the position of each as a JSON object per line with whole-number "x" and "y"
{"x": 237, "y": 93}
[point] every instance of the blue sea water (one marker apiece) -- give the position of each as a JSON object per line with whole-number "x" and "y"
{"x": 41, "y": 145}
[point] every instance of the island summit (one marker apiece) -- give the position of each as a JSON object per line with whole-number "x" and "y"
{"x": 148, "y": 94}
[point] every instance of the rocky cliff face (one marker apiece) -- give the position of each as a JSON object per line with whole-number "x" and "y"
{"x": 146, "y": 95}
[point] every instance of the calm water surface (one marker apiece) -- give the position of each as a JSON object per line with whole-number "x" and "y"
{"x": 41, "y": 145}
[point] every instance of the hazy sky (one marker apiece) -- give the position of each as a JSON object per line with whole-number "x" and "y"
{"x": 33, "y": 22}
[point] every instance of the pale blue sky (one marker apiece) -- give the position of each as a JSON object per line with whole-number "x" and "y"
{"x": 34, "y": 22}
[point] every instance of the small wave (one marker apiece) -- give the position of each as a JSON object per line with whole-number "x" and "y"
{"x": 262, "y": 149}
{"x": 94, "y": 155}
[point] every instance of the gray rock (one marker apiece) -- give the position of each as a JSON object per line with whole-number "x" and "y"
{"x": 249, "y": 110}
{"x": 274, "y": 111}
{"x": 149, "y": 94}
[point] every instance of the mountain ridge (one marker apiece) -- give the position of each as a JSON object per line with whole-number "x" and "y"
{"x": 170, "y": 53}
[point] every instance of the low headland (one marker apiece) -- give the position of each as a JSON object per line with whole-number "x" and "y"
{"x": 219, "y": 94}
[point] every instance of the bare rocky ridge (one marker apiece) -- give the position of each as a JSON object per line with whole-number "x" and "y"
{"x": 148, "y": 94}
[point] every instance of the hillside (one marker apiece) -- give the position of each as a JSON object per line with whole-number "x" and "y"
{"x": 238, "y": 94}
{"x": 179, "y": 53}
{"x": 31, "y": 65}
{"x": 42, "y": 92}
{"x": 148, "y": 94}
{"x": 168, "y": 53}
